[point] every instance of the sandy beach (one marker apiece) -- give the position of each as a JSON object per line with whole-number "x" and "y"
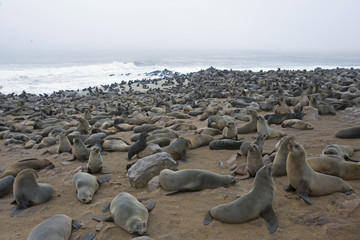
{"x": 180, "y": 216}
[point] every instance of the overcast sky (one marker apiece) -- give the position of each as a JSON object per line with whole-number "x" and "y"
{"x": 324, "y": 25}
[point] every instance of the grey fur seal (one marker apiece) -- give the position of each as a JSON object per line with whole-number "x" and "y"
{"x": 251, "y": 125}
{"x": 305, "y": 180}
{"x": 228, "y": 144}
{"x": 95, "y": 162}
{"x": 64, "y": 144}
{"x": 257, "y": 202}
{"x": 178, "y": 149}
{"x": 217, "y": 122}
{"x": 138, "y": 146}
{"x": 80, "y": 151}
{"x": 145, "y": 128}
{"x": 86, "y": 185}
{"x": 208, "y": 131}
{"x": 324, "y": 108}
{"x": 343, "y": 151}
{"x": 57, "y": 227}
{"x": 279, "y": 164}
{"x": 115, "y": 145}
{"x": 351, "y": 132}
{"x": 199, "y": 140}
{"x": 83, "y": 127}
{"x": 335, "y": 166}
{"x": 259, "y": 141}
{"x": 193, "y": 180}
{"x": 230, "y": 131}
{"x": 279, "y": 118}
{"x": 297, "y": 124}
{"x": 6, "y": 185}
{"x": 28, "y": 192}
{"x": 264, "y": 129}
{"x": 253, "y": 162}
{"x": 32, "y": 163}
{"x": 128, "y": 213}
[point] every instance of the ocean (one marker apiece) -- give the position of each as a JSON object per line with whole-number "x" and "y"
{"x": 46, "y": 72}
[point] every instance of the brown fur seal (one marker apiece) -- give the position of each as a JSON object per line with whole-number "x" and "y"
{"x": 128, "y": 213}
{"x": 343, "y": 151}
{"x": 259, "y": 141}
{"x": 80, "y": 151}
{"x": 199, "y": 140}
{"x": 208, "y": 131}
{"x": 64, "y": 144}
{"x": 83, "y": 127}
{"x": 297, "y": 124}
{"x": 228, "y": 144}
{"x": 351, "y": 132}
{"x": 193, "y": 180}
{"x": 58, "y": 227}
{"x": 279, "y": 118}
{"x": 264, "y": 129}
{"x": 279, "y": 164}
{"x": 230, "y": 131}
{"x": 178, "y": 149}
{"x": 115, "y": 145}
{"x": 33, "y": 163}
{"x": 335, "y": 166}
{"x": 217, "y": 122}
{"x": 86, "y": 185}
{"x": 257, "y": 202}
{"x": 162, "y": 141}
{"x": 138, "y": 146}
{"x": 305, "y": 180}
{"x": 95, "y": 162}
{"x": 6, "y": 185}
{"x": 145, "y": 128}
{"x": 253, "y": 162}
{"x": 251, "y": 125}
{"x": 28, "y": 192}
{"x": 324, "y": 109}
{"x": 183, "y": 127}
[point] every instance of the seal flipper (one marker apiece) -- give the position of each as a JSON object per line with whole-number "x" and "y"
{"x": 51, "y": 166}
{"x": 247, "y": 175}
{"x": 103, "y": 179}
{"x": 104, "y": 219}
{"x": 208, "y": 218}
{"x": 303, "y": 191}
{"x": 28, "y": 159}
{"x": 150, "y": 206}
{"x": 270, "y": 218}
{"x": 76, "y": 224}
{"x": 106, "y": 209}
{"x": 183, "y": 157}
{"x": 347, "y": 158}
{"x": 289, "y": 188}
{"x": 20, "y": 208}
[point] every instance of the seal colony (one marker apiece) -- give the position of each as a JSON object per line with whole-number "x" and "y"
{"x": 187, "y": 114}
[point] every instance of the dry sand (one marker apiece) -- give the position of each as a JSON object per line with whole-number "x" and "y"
{"x": 180, "y": 216}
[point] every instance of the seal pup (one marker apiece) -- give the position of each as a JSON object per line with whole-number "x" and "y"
{"x": 57, "y": 227}
{"x": 351, "y": 132}
{"x": 6, "y": 185}
{"x": 335, "y": 166}
{"x": 253, "y": 162}
{"x": 279, "y": 163}
{"x": 228, "y": 144}
{"x": 343, "y": 151}
{"x": 193, "y": 180}
{"x": 230, "y": 131}
{"x": 251, "y": 125}
{"x": 86, "y": 185}
{"x": 138, "y": 146}
{"x": 257, "y": 202}
{"x": 95, "y": 162}
{"x": 128, "y": 213}
{"x": 80, "y": 151}
{"x": 178, "y": 148}
{"x": 28, "y": 192}
{"x": 32, "y": 163}
{"x": 263, "y": 128}
{"x": 259, "y": 141}
{"x": 305, "y": 180}
{"x": 64, "y": 144}
{"x": 297, "y": 124}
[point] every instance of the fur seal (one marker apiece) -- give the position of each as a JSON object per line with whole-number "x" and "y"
{"x": 279, "y": 164}
{"x": 80, "y": 151}
{"x": 228, "y": 144}
{"x": 28, "y": 192}
{"x": 257, "y": 202}
{"x": 64, "y": 144}
{"x": 145, "y": 128}
{"x": 6, "y": 185}
{"x": 162, "y": 142}
{"x": 208, "y": 131}
{"x": 351, "y": 132}
{"x": 343, "y": 151}
{"x": 251, "y": 125}
{"x": 178, "y": 149}
{"x": 86, "y": 185}
{"x": 58, "y": 227}
{"x": 199, "y": 140}
{"x": 279, "y": 118}
{"x": 138, "y": 146}
{"x": 253, "y": 162}
{"x": 95, "y": 162}
{"x": 217, "y": 122}
{"x": 115, "y": 145}
{"x": 297, "y": 124}
{"x": 193, "y": 180}
{"x": 335, "y": 166}
{"x": 230, "y": 131}
{"x": 324, "y": 108}
{"x": 32, "y": 163}
{"x": 128, "y": 213}
{"x": 259, "y": 141}
{"x": 305, "y": 180}
{"x": 264, "y": 129}
{"x": 83, "y": 127}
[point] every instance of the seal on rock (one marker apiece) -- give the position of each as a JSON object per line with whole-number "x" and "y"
{"x": 28, "y": 192}
{"x": 257, "y": 202}
{"x": 305, "y": 180}
{"x": 86, "y": 185}
{"x": 193, "y": 180}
